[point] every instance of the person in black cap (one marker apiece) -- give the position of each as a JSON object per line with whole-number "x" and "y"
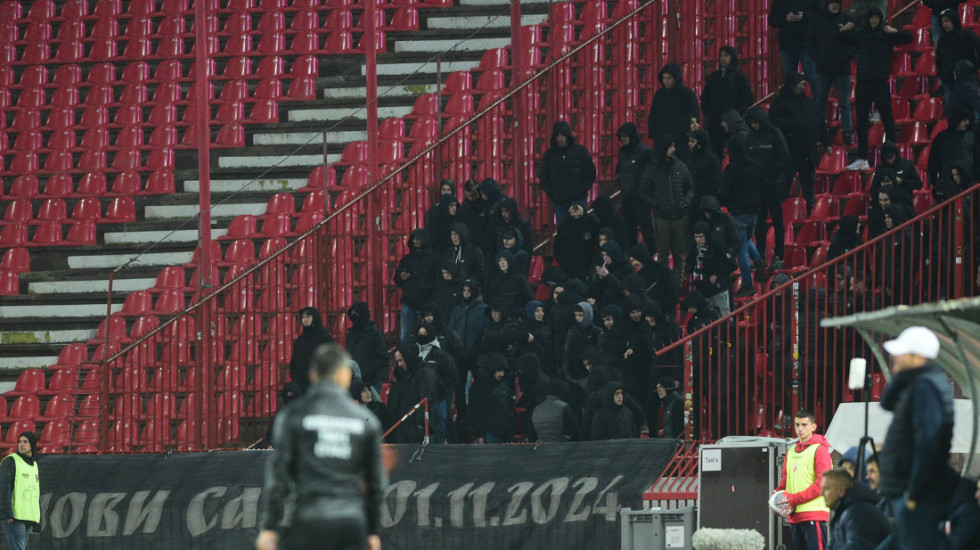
{"x": 793, "y": 112}
{"x": 566, "y": 172}
{"x": 726, "y": 88}
{"x": 314, "y": 334}
{"x": 20, "y": 492}
{"x": 674, "y": 105}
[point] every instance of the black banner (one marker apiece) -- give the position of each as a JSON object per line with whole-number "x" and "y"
{"x": 492, "y": 497}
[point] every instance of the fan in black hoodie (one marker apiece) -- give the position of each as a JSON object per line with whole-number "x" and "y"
{"x": 833, "y": 61}
{"x": 413, "y": 382}
{"x": 726, "y": 88}
{"x": 767, "y": 146}
{"x": 416, "y": 276}
{"x": 314, "y": 334}
{"x": 957, "y": 61}
{"x": 633, "y": 157}
{"x": 446, "y": 215}
{"x": 448, "y": 288}
{"x": 674, "y": 105}
{"x": 507, "y": 287}
{"x": 536, "y": 337}
{"x": 467, "y": 256}
{"x": 505, "y": 216}
{"x": 566, "y": 172}
{"x": 492, "y": 401}
{"x": 603, "y": 210}
{"x": 658, "y": 281}
{"x": 613, "y": 420}
{"x": 793, "y": 112}
{"x": 366, "y": 344}
{"x": 575, "y": 243}
{"x": 705, "y": 169}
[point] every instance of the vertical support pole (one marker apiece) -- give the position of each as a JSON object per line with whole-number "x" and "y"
{"x": 959, "y": 247}
{"x": 689, "y": 412}
{"x": 521, "y": 124}
{"x": 437, "y": 171}
{"x": 375, "y": 265}
{"x": 203, "y": 436}
{"x": 106, "y": 374}
{"x": 326, "y": 177}
{"x": 794, "y": 335}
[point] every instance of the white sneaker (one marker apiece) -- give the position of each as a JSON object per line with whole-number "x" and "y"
{"x": 875, "y": 117}
{"x": 859, "y": 164}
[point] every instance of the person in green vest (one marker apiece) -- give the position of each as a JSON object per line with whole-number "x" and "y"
{"x": 20, "y": 492}
{"x": 803, "y": 469}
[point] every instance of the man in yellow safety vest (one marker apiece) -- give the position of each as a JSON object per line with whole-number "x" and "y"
{"x": 803, "y": 469}
{"x": 20, "y": 492}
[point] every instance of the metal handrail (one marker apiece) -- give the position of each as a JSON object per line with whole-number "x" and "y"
{"x": 423, "y": 403}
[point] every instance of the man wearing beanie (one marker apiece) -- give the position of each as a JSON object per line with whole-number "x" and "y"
{"x": 915, "y": 474}
{"x": 20, "y": 492}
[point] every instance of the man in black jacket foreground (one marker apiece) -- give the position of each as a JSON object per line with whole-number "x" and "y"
{"x": 328, "y": 451}
{"x": 857, "y": 521}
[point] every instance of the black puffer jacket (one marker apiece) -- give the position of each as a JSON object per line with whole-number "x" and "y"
{"x": 632, "y": 158}
{"x": 724, "y": 232}
{"x": 767, "y": 146}
{"x": 672, "y": 108}
{"x": 304, "y": 346}
{"x": 575, "y": 244}
{"x": 366, "y": 344}
{"x": 412, "y": 384}
{"x": 566, "y": 173}
{"x": 668, "y": 184}
{"x": 956, "y": 46}
{"x": 903, "y": 169}
{"x": 873, "y": 47}
{"x": 421, "y": 266}
{"x": 857, "y": 521}
{"x": 612, "y": 421}
{"x": 796, "y": 116}
{"x": 740, "y": 183}
{"x": 467, "y": 257}
{"x": 831, "y": 56}
{"x": 336, "y": 486}
{"x": 952, "y": 146}
{"x": 704, "y": 166}
{"x": 792, "y": 34}
{"x": 726, "y": 89}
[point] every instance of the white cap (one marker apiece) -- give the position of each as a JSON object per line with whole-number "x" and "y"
{"x": 915, "y": 340}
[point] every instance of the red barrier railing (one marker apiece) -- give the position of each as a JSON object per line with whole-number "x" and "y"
{"x": 770, "y": 357}
{"x": 208, "y": 377}
{"x": 423, "y": 404}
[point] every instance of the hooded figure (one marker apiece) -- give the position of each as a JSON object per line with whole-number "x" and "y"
{"x": 507, "y": 286}
{"x": 492, "y": 400}
{"x": 512, "y": 240}
{"x": 795, "y": 114}
{"x": 536, "y": 337}
{"x": 873, "y": 46}
{"x": 833, "y": 64}
{"x": 613, "y": 420}
{"x": 704, "y": 166}
{"x": 740, "y": 184}
{"x": 846, "y": 237}
{"x": 415, "y": 276}
{"x": 633, "y": 158}
{"x": 575, "y": 244}
{"x": 905, "y": 176}
{"x": 314, "y": 334}
{"x": 674, "y": 105}
{"x": 469, "y": 316}
{"x": 507, "y": 216}
{"x": 767, "y": 146}
{"x": 413, "y": 382}
{"x": 954, "y": 145}
{"x": 726, "y": 88}
{"x": 553, "y": 420}
{"x": 446, "y": 215}
{"x": 670, "y": 188}
{"x": 448, "y": 288}
{"x": 584, "y": 333}
{"x": 365, "y": 395}
{"x": 566, "y": 172}
{"x": 732, "y": 125}
{"x": 724, "y": 231}
{"x": 957, "y": 53}
{"x": 658, "y": 282}
{"x": 603, "y": 209}
{"x": 467, "y": 257}
{"x": 366, "y": 344}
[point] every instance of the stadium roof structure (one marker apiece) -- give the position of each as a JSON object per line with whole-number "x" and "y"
{"x": 956, "y": 323}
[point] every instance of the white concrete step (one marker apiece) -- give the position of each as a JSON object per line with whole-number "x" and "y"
{"x": 463, "y": 45}
{"x": 389, "y": 91}
{"x": 276, "y": 185}
{"x": 29, "y": 362}
{"x": 343, "y": 113}
{"x": 275, "y": 161}
{"x": 424, "y": 68}
{"x": 184, "y": 211}
{"x": 73, "y": 287}
{"x": 73, "y": 311}
{"x": 66, "y": 336}
{"x": 483, "y": 21}
{"x": 112, "y": 261}
{"x": 306, "y": 138}
{"x": 149, "y": 237}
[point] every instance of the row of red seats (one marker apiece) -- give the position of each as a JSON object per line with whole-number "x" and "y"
{"x": 20, "y": 211}
{"x": 91, "y": 185}
{"x": 54, "y": 436}
{"x": 29, "y": 162}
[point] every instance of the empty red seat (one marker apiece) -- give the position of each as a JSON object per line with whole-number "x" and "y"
{"x": 915, "y": 133}
{"x": 81, "y": 233}
{"x": 91, "y": 185}
{"x": 13, "y": 235}
{"x": 14, "y": 431}
{"x": 120, "y": 210}
{"x": 825, "y": 208}
{"x": 137, "y": 303}
{"x": 26, "y": 406}
{"x": 241, "y": 251}
{"x": 302, "y": 89}
{"x": 160, "y": 182}
{"x": 18, "y": 211}
{"x": 29, "y": 382}
{"x": 794, "y": 209}
{"x": 9, "y": 283}
{"x": 122, "y": 435}
{"x": 88, "y": 208}
{"x": 276, "y": 225}
{"x": 126, "y": 184}
{"x": 169, "y": 278}
{"x": 49, "y": 233}
{"x": 56, "y": 435}
{"x": 17, "y": 260}
{"x": 61, "y": 406}
{"x": 241, "y": 227}
{"x": 25, "y": 186}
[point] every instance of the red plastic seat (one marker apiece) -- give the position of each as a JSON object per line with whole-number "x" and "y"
{"x": 126, "y": 184}
{"x": 62, "y": 140}
{"x": 17, "y": 260}
{"x": 61, "y": 117}
{"x": 91, "y": 185}
{"x": 30, "y": 140}
{"x": 13, "y": 433}
{"x": 24, "y": 187}
{"x": 169, "y": 278}
{"x": 47, "y": 234}
{"x": 925, "y": 65}
{"x": 94, "y": 116}
{"x": 160, "y": 159}
{"x": 794, "y": 209}
{"x": 272, "y": 43}
{"x": 13, "y": 235}
{"x": 18, "y": 211}
{"x": 922, "y": 200}
{"x": 29, "y": 382}
{"x": 914, "y": 133}
{"x": 86, "y": 434}
{"x": 928, "y": 110}
{"x": 265, "y": 111}
{"x": 143, "y": 326}
{"x": 26, "y": 406}
{"x": 914, "y": 87}
{"x": 81, "y": 233}
{"x": 53, "y": 210}
{"x": 339, "y": 42}
{"x": 856, "y": 205}
{"x": 58, "y": 161}
{"x": 9, "y": 283}
{"x": 276, "y": 225}
{"x": 71, "y": 356}
{"x": 241, "y": 251}
{"x": 59, "y": 406}
{"x": 88, "y": 208}
{"x": 160, "y": 182}
{"x": 137, "y": 303}
{"x": 825, "y": 208}
{"x": 846, "y": 183}
{"x": 120, "y": 210}
{"x": 55, "y": 437}
{"x": 122, "y": 435}
{"x": 230, "y": 135}
{"x": 169, "y": 302}
{"x": 302, "y": 89}
{"x": 241, "y": 227}
{"x": 92, "y": 161}
{"x": 26, "y": 119}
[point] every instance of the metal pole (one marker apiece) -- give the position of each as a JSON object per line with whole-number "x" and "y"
{"x": 794, "y": 318}
{"x": 958, "y": 250}
{"x": 371, "y": 74}
{"x": 326, "y": 177}
{"x": 202, "y": 434}
{"x": 104, "y": 379}
{"x": 520, "y": 117}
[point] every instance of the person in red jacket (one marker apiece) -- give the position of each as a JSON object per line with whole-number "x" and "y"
{"x": 802, "y": 477}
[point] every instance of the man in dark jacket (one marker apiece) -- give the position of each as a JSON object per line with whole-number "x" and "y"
{"x": 653, "y": 279}
{"x": 938, "y": 7}
{"x": 740, "y": 193}
{"x": 492, "y": 401}
{"x": 673, "y": 405}
{"x": 857, "y": 521}
{"x": 467, "y": 257}
{"x": 957, "y": 61}
{"x": 613, "y": 420}
{"x": 553, "y": 420}
{"x": 507, "y": 216}
{"x": 414, "y": 381}
{"x": 445, "y": 215}
{"x": 366, "y": 345}
{"x": 726, "y": 88}
{"x": 874, "y": 45}
{"x": 668, "y": 184}
{"x": 566, "y": 172}
{"x": 442, "y": 364}
{"x": 705, "y": 169}
{"x": 796, "y": 115}
{"x": 327, "y": 460}
{"x": 733, "y": 126}
{"x": 767, "y": 146}
{"x": 724, "y": 229}
{"x": 915, "y": 474}
{"x": 575, "y": 242}
{"x": 416, "y": 276}
{"x": 709, "y": 269}
{"x": 953, "y": 146}
{"x": 904, "y": 175}
{"x": 833, "y": 61}
{"x": 633, "y": 157}
{"x": 794, "y": 18}
{"x": 314, "y": 334}
{"x": 674, "y": 105}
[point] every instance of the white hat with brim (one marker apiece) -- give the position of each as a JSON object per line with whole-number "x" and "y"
{"x": 915, "y": 340}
